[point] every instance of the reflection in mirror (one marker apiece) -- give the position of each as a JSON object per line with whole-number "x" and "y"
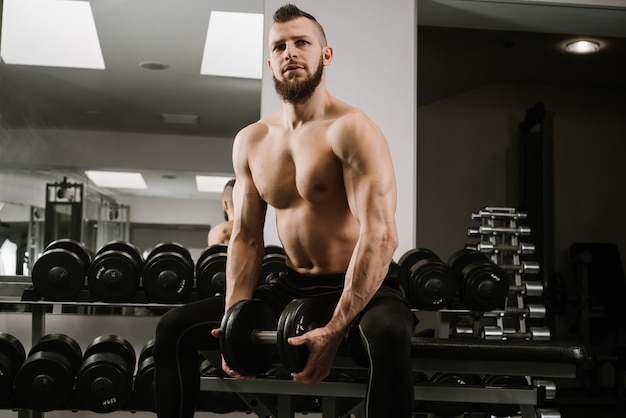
{"x": 148, "y": 107}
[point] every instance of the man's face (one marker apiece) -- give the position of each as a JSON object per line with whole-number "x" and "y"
{"x": 297, "y": 59}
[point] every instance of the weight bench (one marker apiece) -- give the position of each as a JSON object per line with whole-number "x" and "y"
{"x": 539, "y": 360}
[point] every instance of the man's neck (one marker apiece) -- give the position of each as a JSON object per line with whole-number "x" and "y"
{"x": 316, "y": 107}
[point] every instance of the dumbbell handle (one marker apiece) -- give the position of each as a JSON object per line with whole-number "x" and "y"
{"x": 489, "y": 230}
{"x": 530, "y": 267}
{"x": 263, "y": 337}
{"x": 502, "y": 213}
{"x": 487, "y": 247}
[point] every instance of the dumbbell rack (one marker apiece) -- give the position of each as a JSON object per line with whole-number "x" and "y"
{"x": 16, "y": 290}
{"x": 499, "y": 235}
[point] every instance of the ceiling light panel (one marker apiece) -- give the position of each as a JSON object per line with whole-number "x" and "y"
{"x": 51, "y": 33}
{"x": 117, "y": 180}
{"x": 234, "y": 45}
{"x": 211, "y": 184}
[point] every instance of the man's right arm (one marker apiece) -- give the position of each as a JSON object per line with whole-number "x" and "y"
{"x": 246, "y": 246}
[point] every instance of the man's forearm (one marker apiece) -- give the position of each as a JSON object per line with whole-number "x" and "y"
{"x": 242, "y": 270}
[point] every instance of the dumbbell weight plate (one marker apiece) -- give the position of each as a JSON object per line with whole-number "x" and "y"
{"x": 115, "y": 272}
{"x": 237, "y": 346}
{"x": 46, "y": 379}
{"x": 143, "y": 387}
{"x": 210, "y": 250}
{"x": 272, "y": 266}
{"x": 506, "y": 381}
{"x": 12, "y": 356}
{"x": 211, "y": 271}
{"x": 484, "y": 286}
{"x": 168, "y": 274}
{"x": 74, "y": 247}
{"x": 58, "y": 275}
{"x": 298, "y": 317}
{"x": 104, "y": 380}
{"x": 448, "y": 409}
{"x": 431, "y": 285}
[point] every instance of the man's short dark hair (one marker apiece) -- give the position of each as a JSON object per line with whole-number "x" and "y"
{"x": 290, "y": 12}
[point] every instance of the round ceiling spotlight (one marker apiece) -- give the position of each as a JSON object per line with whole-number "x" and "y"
{"x": 153, "y": 65}
{"x": 582, "y": 47}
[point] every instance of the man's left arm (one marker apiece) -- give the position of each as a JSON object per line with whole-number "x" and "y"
{"x": 371, "y": 191}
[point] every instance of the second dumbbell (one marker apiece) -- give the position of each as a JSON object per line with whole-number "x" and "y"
{"x": 252, "y": 338}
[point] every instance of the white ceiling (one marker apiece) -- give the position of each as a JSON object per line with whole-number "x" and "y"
{"x": 491, "y": 41}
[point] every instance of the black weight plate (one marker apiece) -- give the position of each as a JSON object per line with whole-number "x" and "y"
{"x": 114, "y": 344}
{"x": 103, "y": 384}
{"x": 213, "y": 249}
{"x": 172, "y": 247}
{"x": 7, "y": 372}
{"x": 271, "y": 268}
{"x": 113, "y": 276}
{"x": 61, "y": 344}
{"x": 236, "y": 343}
{"x": 13, "y": 349}
{"x": 432, "y": 285}
{"x": 167, "y": 277}
{"x": 409, "y": 258}
{"x": 459, "y": 260}
{"x": 486, "y": 286}
{"x": 58, "y": 275}
{"x": 211, "y": 276}
{"x": 125, "y": 247}
{"x": 44, "y": 382}
{"x": 274, "y": 249}
{"x": 144, "y": 384}
{"x": 146, "y": 351}
{"x": 447, "y": 409}
{"x": 298, "y": 317}
{"x": 506, "y": 381}
{"x": 72, "y": 246}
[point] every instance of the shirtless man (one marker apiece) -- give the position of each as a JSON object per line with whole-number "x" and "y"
{"x": 326, "y": 169}
{"x": 220, "y": 234}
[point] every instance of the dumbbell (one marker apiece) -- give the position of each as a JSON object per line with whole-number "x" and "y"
{"x": 12, "y": 356}
{"x": 214, "y": 401}
{"x": 168, "y": 273}
{"x": 431, "y": 284}
{"x": 104, "y": 380}
{"x": 273, "y": 265}
{"x": 59, "y": 273}
{"x": 144, "y": 379}
{"x": 504, "y": 381}
{"x": 483, "y": 285}
{"x": 494, "y": 332}
{"x": 251, "y": 337}
{"x": 447, "y": 409}
{"x": 211, "y": 271}
{"x": 46, "y": 379}
{"x": 115, "y": 272}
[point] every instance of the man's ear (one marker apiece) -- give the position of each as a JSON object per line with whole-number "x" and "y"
{"x": 327, "y": 55}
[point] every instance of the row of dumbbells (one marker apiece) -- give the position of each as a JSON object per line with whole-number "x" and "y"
{"x": 118, "y": 270}
{"x": 58, "y": 375}
{"x": 468, "y": 276}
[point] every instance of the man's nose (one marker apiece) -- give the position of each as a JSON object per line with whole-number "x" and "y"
{"x": 290, "y": 51}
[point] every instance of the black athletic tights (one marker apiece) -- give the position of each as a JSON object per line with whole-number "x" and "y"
{"x": 380, "y": 336}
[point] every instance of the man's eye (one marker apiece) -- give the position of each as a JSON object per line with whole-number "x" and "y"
{"x": 302, "y": 42}
{"x": 279, "y": 48}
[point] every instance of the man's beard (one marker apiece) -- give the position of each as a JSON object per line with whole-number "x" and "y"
{"x": 299, "y": 92}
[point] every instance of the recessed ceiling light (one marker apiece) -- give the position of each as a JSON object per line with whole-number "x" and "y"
{"x": 153, "y": 65}
{"x": 582, "y": 47}
{"x": 116, "y": 179}
{"x": 211, "y": 184}
{"x": 234, "y": 45}
{"x": 50, "y": 33}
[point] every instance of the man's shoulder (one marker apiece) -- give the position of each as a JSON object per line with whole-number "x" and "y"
{"x": 258, "y": 129}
